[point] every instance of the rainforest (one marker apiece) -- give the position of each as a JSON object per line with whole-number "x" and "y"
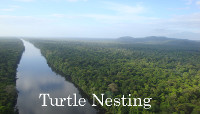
{"x": 166, "y": 70}
{"x": 10, "y": 54}
{"x": 100, "y": 57}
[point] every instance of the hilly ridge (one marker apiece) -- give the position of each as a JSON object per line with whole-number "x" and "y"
{"x": 158, "y": 40}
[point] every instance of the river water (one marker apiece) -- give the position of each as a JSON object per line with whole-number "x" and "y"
{"x": 36, "y": 77}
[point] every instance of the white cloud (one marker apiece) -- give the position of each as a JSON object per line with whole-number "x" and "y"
{"x": 106, "y": 18}
{"x": 10, "y": 8}
{"x": 25, "y": 25}
{"x": 58, "y": 15}
{"x": 76, "y": 0}
{"x": 24, "y": 0}
{"x": 72, "y": 0}
{"x": 180, "y": 22}
{"x": 124, "y": 14}
{"x": 186, "y": 35}
{"x": 7, "y": 9}
{"x": 10, "y": 20}
{"x": 179, "y": 26}
{"x": 126, "y": 20}
{"x": 190, "y": 21}
{"x": 189, "y": 2}
{"x": 117, "y": 19}
{"x": 114, "y": 26}
{"x": 125, "y": 9}
{"x": 180, "y": 8}
{"x": 198, "y": 3}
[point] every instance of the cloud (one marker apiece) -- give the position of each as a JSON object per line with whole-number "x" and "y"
{"x": 58, "y": 15}
{"x": 125, "y": 9}
{"x": 189, "y": 2}
{"x": 123, "y": 14}
{"x": 22, "y": 20}
{"x": 76, "y": 0}
{"x": 186, "y": 21}
{"x": 106, "y": 18}
{"x": 111, "y": 19}
{"x": 114, "y": 26}
{"x": 24, "y": 0}
{"x": 128, "y": 9}
{"x": 10, "y": 8}
{"x": 179, "y": 26}
{"x": 198, "y": 3}
{"x": 186, "y": 35}
{"x": 180, "y": 8}
{"x": 180, "y": 22}
{"x": 25, "y": 25}
{"x": 115, "y": 20}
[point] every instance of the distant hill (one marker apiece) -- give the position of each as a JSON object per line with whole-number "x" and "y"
{"x": 126, "y": 38}
{"x": 158, "y": 40}
{"x": 150, "y": 39}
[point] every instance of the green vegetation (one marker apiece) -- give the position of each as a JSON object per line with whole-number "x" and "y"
{"x": 10, "y": 54}
{"x": 168, "y": 74}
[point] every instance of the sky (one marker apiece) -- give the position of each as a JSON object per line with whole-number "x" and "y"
{"x": 100, "y": 18}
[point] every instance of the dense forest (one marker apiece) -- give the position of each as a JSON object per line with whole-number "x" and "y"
{"x": 169, "y": 74}
{"x": 10, "y": 54}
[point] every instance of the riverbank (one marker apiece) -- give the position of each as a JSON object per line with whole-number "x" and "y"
{"x": 100, "y": 109}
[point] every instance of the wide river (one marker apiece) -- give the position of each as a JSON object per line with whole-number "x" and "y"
{"x": 36, "y": 77}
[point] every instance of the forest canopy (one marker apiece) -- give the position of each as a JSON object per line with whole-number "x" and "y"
{"x": 169, "y": 74}
{"x": 10, "y": 55}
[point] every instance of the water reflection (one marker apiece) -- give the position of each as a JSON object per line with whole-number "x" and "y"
{"x": 35, "y": 77}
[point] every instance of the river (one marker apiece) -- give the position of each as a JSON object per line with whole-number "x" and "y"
{"x": 36, "y": 77}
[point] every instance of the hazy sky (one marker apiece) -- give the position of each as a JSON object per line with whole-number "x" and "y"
{"x": 100, "y": 18}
